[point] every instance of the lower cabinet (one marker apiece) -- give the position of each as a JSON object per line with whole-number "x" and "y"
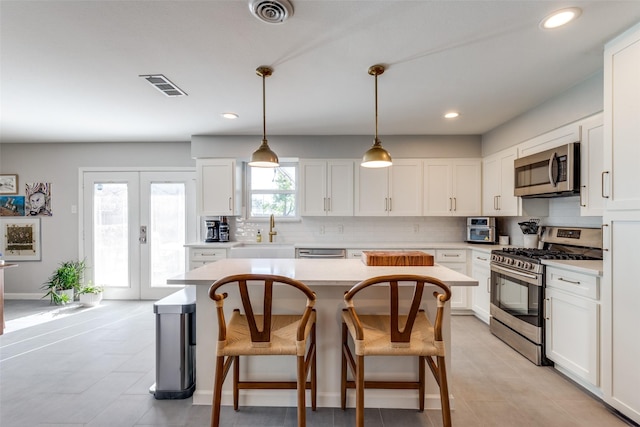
{"x": 572, "y": 325}
{"x": 481, "y": 271}
{"x": 456, "y": 259}
{"x": 199, "y": 256}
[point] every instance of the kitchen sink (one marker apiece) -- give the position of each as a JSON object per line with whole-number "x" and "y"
{"x": 262, "y": 250}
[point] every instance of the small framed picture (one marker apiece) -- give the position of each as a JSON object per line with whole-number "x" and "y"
{"x": 20, "y": 238}
{"x": 8, "y": 184}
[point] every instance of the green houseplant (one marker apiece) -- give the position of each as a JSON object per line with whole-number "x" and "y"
{"x": 65, "y": 281}
{"x": 90, "y": 295}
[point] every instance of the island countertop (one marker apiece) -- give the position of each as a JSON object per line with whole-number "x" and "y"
{"x": 330, "y": 279}
{"x": 320, "y": 271}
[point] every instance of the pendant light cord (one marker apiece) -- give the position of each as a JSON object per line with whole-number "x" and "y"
{"x": 264, "y": 110}
{"x": 376, "y": 103}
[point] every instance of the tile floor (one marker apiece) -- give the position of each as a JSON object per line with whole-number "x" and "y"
{"x": 94, "y": 368}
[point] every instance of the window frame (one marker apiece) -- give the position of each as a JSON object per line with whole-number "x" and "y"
{"x": 249, "y": 192}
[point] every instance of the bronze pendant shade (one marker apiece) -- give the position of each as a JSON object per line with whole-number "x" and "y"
{"x": 376, "y": 156}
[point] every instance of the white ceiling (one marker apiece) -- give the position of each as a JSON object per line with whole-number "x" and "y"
{"x": 69, "y": 69}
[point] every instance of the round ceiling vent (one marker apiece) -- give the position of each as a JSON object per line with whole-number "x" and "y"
{"x": 271, "y": 11}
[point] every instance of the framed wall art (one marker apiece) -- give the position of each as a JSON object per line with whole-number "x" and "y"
{"x": 11, "y": 205}
{"x": 38, "y": 199}
{"x": 8, "y": 184}
{"x": 20, "y": 238}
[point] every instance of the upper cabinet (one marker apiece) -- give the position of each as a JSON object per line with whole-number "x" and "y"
{"x": 591, "y": 167}
{"x": 392, "y": 191}
{"x": 217, "y": 184}
{"x": 498, "y": 183}
{"x": 622, "y": 122}
{"x": 327, "y": 187}
{"x": 452, "y": 187}
{"x": 555, "y": 138}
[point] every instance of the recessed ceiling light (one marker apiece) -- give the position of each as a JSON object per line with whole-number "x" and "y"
{"x": 451, "y": 115}
{"x": 560, "y": 18}
{"x": 230, "y": 116}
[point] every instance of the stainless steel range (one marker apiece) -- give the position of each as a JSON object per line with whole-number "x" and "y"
{"x": 517, "y": 285}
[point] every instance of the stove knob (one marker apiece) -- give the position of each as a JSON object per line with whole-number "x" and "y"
{"x": 526, "y": 265}
{"x": 510, "y": 261}
{"x": 519, "y": 264}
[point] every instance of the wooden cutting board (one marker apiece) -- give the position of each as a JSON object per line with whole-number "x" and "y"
{"x": 396, "y": 258}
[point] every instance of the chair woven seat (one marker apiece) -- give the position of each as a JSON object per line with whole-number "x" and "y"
{"x": 283, "y": 336}
{"x": 377, "y": 337}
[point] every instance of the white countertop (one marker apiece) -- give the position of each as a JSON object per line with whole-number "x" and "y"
{"x": 320, "y": 271}
{"x": 593, "y": 268}
{"x": 359, "y": 245}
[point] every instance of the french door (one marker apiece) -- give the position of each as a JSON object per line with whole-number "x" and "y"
{"x": 134, "y": 225}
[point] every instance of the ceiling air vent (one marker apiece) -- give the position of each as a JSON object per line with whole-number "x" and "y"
{"x": 271, "y": 11}
{"x": 163, "y": 84}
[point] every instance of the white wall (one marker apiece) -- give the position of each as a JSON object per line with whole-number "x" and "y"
{"x": 578, "y": 102}
{"x": 59, "y": 165}
{"x": 337, "y": 146}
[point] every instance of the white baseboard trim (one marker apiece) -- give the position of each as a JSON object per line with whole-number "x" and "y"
{"x": 398, "y": 399}
{"x": 23, "y": 296}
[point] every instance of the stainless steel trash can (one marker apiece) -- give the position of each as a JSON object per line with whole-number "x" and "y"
{"x": 175, "y": 345}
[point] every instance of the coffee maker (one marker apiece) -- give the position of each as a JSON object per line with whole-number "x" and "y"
{"x": 213, "y": 230}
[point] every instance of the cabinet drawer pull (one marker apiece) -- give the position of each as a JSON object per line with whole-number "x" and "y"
{"x": 582, "y": 204}
{"x": 569, "y": 281}
{"x": 482, "y": 259}
{"x": 451, "y": 255}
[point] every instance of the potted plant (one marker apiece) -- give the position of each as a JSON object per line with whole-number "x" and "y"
{"x": 90, "y": 295}
{"x": 64, "y": 281}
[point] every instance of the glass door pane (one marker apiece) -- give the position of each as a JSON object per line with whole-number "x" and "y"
{"x": 111, "y": 234}
{"x": 167, "y": 231}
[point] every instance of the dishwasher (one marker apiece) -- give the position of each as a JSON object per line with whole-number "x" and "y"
{"x": 321, "y": 253}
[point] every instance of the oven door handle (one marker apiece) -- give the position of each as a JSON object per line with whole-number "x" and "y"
{"x": 514, "y": 272}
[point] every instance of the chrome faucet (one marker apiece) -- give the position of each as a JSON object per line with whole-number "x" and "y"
{"x": 272, "y": 223}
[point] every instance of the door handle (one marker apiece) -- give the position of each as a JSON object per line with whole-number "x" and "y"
{"x": 602, "y": 184}
{"x": 603, "y": 238}
{"x": 142, "y": 238}
{"x": 552, "y": 161}
{"x": 581, "y": 203}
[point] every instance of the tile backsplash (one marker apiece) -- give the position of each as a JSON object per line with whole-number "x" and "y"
{"x": 563, "y": 211}
{"x": 355, "y": 229}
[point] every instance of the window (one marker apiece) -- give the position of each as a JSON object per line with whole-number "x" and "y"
{"x": 273, "y": 191}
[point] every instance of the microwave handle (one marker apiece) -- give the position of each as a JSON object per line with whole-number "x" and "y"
{"x": 552, "y": 161}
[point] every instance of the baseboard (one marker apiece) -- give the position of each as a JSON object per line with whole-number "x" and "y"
{"x": 23, "y": 296}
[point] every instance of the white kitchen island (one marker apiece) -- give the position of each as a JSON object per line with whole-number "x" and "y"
{"x": 329, "y": 279}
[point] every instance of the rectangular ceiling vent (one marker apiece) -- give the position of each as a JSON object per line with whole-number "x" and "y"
{"x": 164, "y": 85}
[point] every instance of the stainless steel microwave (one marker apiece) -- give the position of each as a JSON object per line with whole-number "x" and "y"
{"x": 481, "y": 230}
{"x": 551, "y": 173}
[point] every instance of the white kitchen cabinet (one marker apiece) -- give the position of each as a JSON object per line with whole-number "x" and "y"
{"x": 199, "y": 256}
{"x": 326, "y": 187}
{"x": 498, "y": 183}
{"x": 572, "y": 325}
{"x": 555, "y": 138}
{"x": 456, "y": 259}
{"x": 218, "y": 184}
{"x": 591, "y": 166}
{"x": 622, "y": 121}
{"x": 481, "y": 294}
{"x": 452, "y": 187}
{"x": 621, "y": 220}
{"x": 392, "y": 191}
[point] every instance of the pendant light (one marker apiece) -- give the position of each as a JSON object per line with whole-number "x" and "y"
{"x": 263, "y": 157}
{"x": 376, "y": 156}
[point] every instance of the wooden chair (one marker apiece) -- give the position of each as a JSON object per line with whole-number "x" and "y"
{"x": 251, "y": 334}
{"x": 395, "y": 334}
